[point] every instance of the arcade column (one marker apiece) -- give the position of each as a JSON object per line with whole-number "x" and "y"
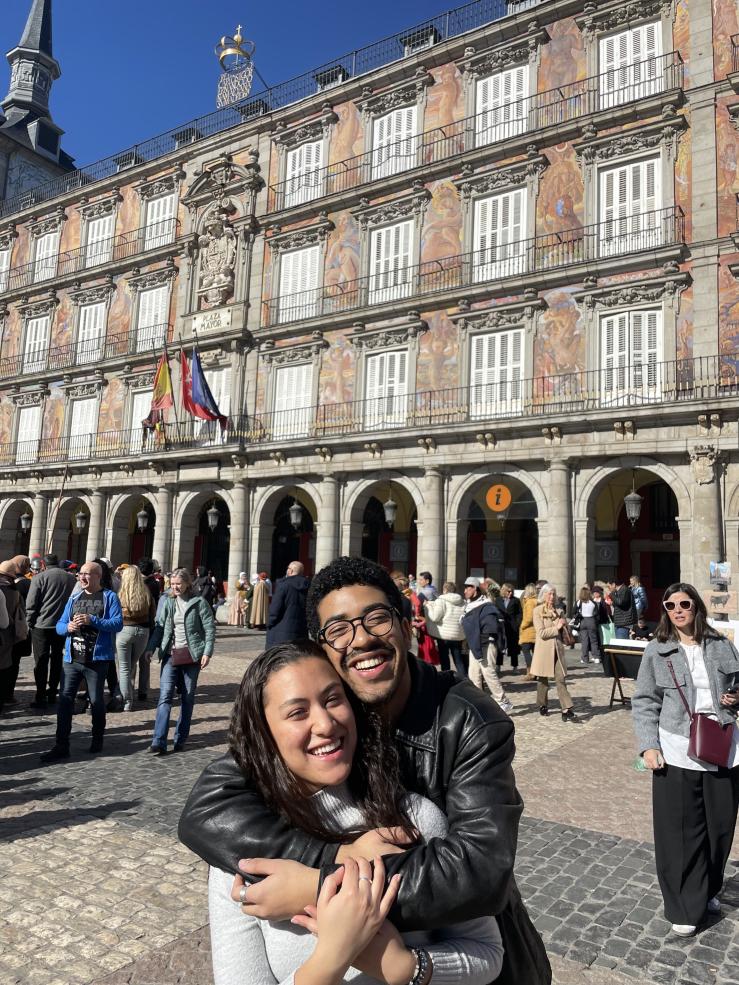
{"x": 555, "y": 537}
{"x": 238, "y": 550}
{"x": 163, "y": 529}
{"x": 327, "y": 532}
{"x": 707, "y": 534}
{"x": 97, "y": 524}
{"x": 39, "y": 534}
{"x": 430, "y": 555}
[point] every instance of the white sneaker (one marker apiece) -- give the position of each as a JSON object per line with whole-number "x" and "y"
{"x": 683, "y": 929}
{"x": 507, "y": 706}
{"x": 714, "y": 905}
{"x": 595, "y": 660}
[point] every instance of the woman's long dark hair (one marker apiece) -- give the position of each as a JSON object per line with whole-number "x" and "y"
{"x": 374, "y": 780}
{"x": 665, "y": 630}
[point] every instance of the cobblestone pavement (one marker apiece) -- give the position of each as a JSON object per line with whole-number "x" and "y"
{"x": 95, "y": 888}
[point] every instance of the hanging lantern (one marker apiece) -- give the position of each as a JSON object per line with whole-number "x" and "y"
{"x": 633, "y": 502}
{"x": 80, "y": 521}
{"x": 213, "y": 517}
{"x": 26, "y": 520}
{"x": 390, "y": 509}
{"x": 296, "y": 515}
{"x": 142, "y": 519}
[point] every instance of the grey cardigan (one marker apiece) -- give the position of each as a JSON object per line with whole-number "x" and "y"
{"x": 656, "y": 701}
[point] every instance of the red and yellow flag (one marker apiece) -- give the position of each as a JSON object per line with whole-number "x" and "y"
{"x": 163, "y": 395}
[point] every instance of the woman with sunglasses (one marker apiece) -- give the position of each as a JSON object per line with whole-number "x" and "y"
{"x": 694, "y": 802}
{"x": 328, "y": 765}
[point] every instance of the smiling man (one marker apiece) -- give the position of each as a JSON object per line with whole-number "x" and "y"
{"x": 455, "y": 747}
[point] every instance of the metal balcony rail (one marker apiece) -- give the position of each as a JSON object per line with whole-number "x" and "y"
{"x": 451, "y": 24}
{"x": 147, "y": 339}
{"x": 91, "y": 255}
{"x": 735, "y": 53}
{"x": 534, "y": 113}
{"x": 624, "y": 235}
{"x": 510, "y": 396}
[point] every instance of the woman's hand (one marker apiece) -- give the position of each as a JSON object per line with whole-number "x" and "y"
{"x": 352, "y": 907}
{"x": 561, "y": 622}
{"x": 729, "y": 699}
{"x": 653, "y": 759}
{"x": 378, "y": 841}
{"x": 204, "y": 661}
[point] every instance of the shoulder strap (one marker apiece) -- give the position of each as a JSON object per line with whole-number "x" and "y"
{"x": 679, "y": 689}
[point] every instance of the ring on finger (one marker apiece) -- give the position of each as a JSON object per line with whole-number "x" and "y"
{"x": 242, "y": 895}
{"x": 365, "y": 877}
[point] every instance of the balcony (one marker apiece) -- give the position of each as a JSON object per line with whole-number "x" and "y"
{"x": 91, "y": 352}
{"x": 505, "y": 268}
{"x": 515, "y": 122}
{"x": 91, "y": 256}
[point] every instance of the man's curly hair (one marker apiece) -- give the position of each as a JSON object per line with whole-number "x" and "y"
{"x": 345, "y": 571}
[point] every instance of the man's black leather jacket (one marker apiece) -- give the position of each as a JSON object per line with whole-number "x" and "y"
{"x": 456, "y": 748}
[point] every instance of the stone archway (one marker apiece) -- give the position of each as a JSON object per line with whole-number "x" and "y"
{"x": 198, "y": 543}
{"x": 371, "y": 536}
{"x": 68, "y": 541}
{"x": 13, "y": 539}
{"x": 276, "y": 542}
{"x": 125, "y": 542}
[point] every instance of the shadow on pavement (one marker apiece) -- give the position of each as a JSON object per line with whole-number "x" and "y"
{"x": 26, "y": 826}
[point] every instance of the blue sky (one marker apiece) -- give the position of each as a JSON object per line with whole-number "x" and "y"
{"x": 133, "y": 69}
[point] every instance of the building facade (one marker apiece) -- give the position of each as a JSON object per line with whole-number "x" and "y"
{"x": 493, "y": 258}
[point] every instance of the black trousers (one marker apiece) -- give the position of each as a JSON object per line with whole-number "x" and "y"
{"x": 48, "y": 654}
{"x": 453, "y": 647}
{"x": 694, "y": 818}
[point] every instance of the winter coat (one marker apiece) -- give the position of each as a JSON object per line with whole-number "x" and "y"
{"x": 443, "y": 616}
{"x": 200, "y": 629}
{"x": 527, "y": 630}
{"x": 107, "y": 626}
{"x": 548, "y": 645}
{"x": 624, "y": 607}
{"x": 287, "y": 611}
{"x": 47, "y": 597}
{"x": 481, "y": 626}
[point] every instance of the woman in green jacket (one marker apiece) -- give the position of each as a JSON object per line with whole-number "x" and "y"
{"x": 184, "y": 633}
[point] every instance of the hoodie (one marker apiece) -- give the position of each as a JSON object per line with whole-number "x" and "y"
{"x": 443, "y": 616}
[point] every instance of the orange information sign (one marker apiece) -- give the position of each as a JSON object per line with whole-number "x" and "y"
{"x": 498, "y": 498}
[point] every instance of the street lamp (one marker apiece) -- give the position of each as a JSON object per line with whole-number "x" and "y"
{"x": 26, "y": 520}
{"x": 633, "y": 502}
{"x": 296, "y": 515}
{"x": 213, "y": 517}
{"x": 390, "y": 509}
{"x": 80, "y": 521}
{"x": 142, "y": 519}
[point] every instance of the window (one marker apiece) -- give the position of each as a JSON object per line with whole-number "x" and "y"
{"x": 390, "y": 262}
{"x": 36, "y": 344}
{"x": 160, "y": 221}
{"x": 99, "y": 245}
{"x": 152, "y": 324}
{"x": 45, "y": 256}
{"x": 630, "y": 65}
{"x": 219, "y": 381}
{"x": 501, "y": 106}
{"x": 386, "y": 390}
{"x": 140, "y": 408}
{"x": 293, "y": 396}
{"x": 498, "y": 241}
{"x": 303, "y": 173}
{"x": 496, "y": 374}
{"x": 631, "y": 350}
{"x": 83, "y": 427}
{"x": 394, "y": 142}
{"x": 29, "y": 435}
{"x": 630, "y": 203}
{"x": 4, "y": 270}
{"x": 299, "y": 284}
{"x": 91, "y": 333}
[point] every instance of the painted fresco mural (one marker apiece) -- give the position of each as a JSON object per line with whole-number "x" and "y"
{"x": 727, "y": 174}
{"x": 347, "y": 134}
{"x": 563, "y": 57}
{"x": 62, "y": 322}
{"x": 438, "y": 366}
{"x": 684, "y": 326}
{"x": 6, "y": 422}
{"x": 445, "y": 98}
{"x": 725, "y": 24}
{"x": 441, "y": 234}
{"x": 52, "y": 427}
{"x": 559, "y": 346}
{"x": 112, "y": 405}
{"x": 560, "y": 204}
{"x": 681, "y": 36}
{"x": 342, "y": 262}
{"x": 338, "y": 363}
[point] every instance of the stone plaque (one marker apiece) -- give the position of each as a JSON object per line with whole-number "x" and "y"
{"x": 215, "y": 320}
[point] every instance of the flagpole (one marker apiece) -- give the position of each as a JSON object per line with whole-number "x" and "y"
{"x": 174, "y": 402}
{"x": 55, "y": 511}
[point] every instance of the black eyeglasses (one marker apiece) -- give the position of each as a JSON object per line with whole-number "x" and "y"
{"x": 683, "y": 603}
{"x": 339, "y": 634}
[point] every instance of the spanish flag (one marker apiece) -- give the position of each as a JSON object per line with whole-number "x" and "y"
{"x": 163, "y": 395}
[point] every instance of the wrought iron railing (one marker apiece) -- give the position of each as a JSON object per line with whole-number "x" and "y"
{"x": 616, "y": 387}
{"x": 735, "y": 53}
{"x": 116, "y": 248}
{"x": 533, "y": 114}
{"x": 451, "y": 24}
{"x": 629, "y": 234}
{"x": 89, "y": 352}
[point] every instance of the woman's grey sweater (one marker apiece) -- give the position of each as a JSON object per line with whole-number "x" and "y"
{"x": 249, "y": 951}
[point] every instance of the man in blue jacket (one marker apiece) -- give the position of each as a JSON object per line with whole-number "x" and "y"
{"x": 89, "y": 622}
{"x": 286, "y": 620}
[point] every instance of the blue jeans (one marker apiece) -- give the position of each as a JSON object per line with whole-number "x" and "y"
{"x": 72, "y": 674}
{"x": 183, "y": 679}
{"x": 621, "y": 632}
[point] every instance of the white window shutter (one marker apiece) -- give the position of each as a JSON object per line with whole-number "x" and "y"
{"x": 292, "y": 403}
{"x": 499, "y": 236}
{"x": 496, "y": 373}
{"x": 501, "y": 105}
{"x": 46, "y": 256}
{"x": 91, "y": 332}
{"x": 303, "y": 175}
{"x": 36, "y": 344}
{"x": 394, "y": 142}
{"x": 4, "y": 270}
{"x": 630, "y": 66}
{"x": 28, "y": 434}
{"x": 386, "y": 389}
{"x": 299, "y": 284}
{"x": 99, "y": 246}
{"x": 153, "y": 318}
{"x": 83, "y": 427}
{"x": 160, "y": 224}
{"x": 390, "y": 262}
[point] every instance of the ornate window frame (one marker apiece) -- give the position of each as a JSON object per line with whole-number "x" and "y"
{"x": 139, "y": 282}
{"x": 98, "y": 209}
{"x": 7, "y": 239}
{"x": 37, "y": 309}
{"x": 287, "y": 138}
{"x": 523, "y": 314}
{"x": 595, "y": 154}
{"x": 296, "y": 239}
{"x": 91, "y": 295}
{"x": 310, "y": 351}
{"x": 52, "y": 223}
{"x": 156, "y": 187}
{"x": 384, "y": 339}
{"x": 411, "y": 205}
{"x": 74, "y": 391}
{"x": 522, "y": 50}
{"x": 653, "y": 292}
{"x": 473, "y": 186}
{"x": 372, "y": 105}
{"x": 28, "y": 398}
{"x": 605, "y": 17}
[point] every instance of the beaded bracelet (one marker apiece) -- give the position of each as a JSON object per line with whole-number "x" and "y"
{"x": 423, "y": 965}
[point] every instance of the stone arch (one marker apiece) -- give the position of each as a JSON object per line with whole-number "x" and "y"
{"x": 12, "y": 538}
{"x": 600, "y": 475}
{"x": 187, "y": 517}
{"x": 123, "y": 542}
{"x": 356, "y": 502}
{"x": 265, "y": 505}
{"x": 66, "y": 542}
